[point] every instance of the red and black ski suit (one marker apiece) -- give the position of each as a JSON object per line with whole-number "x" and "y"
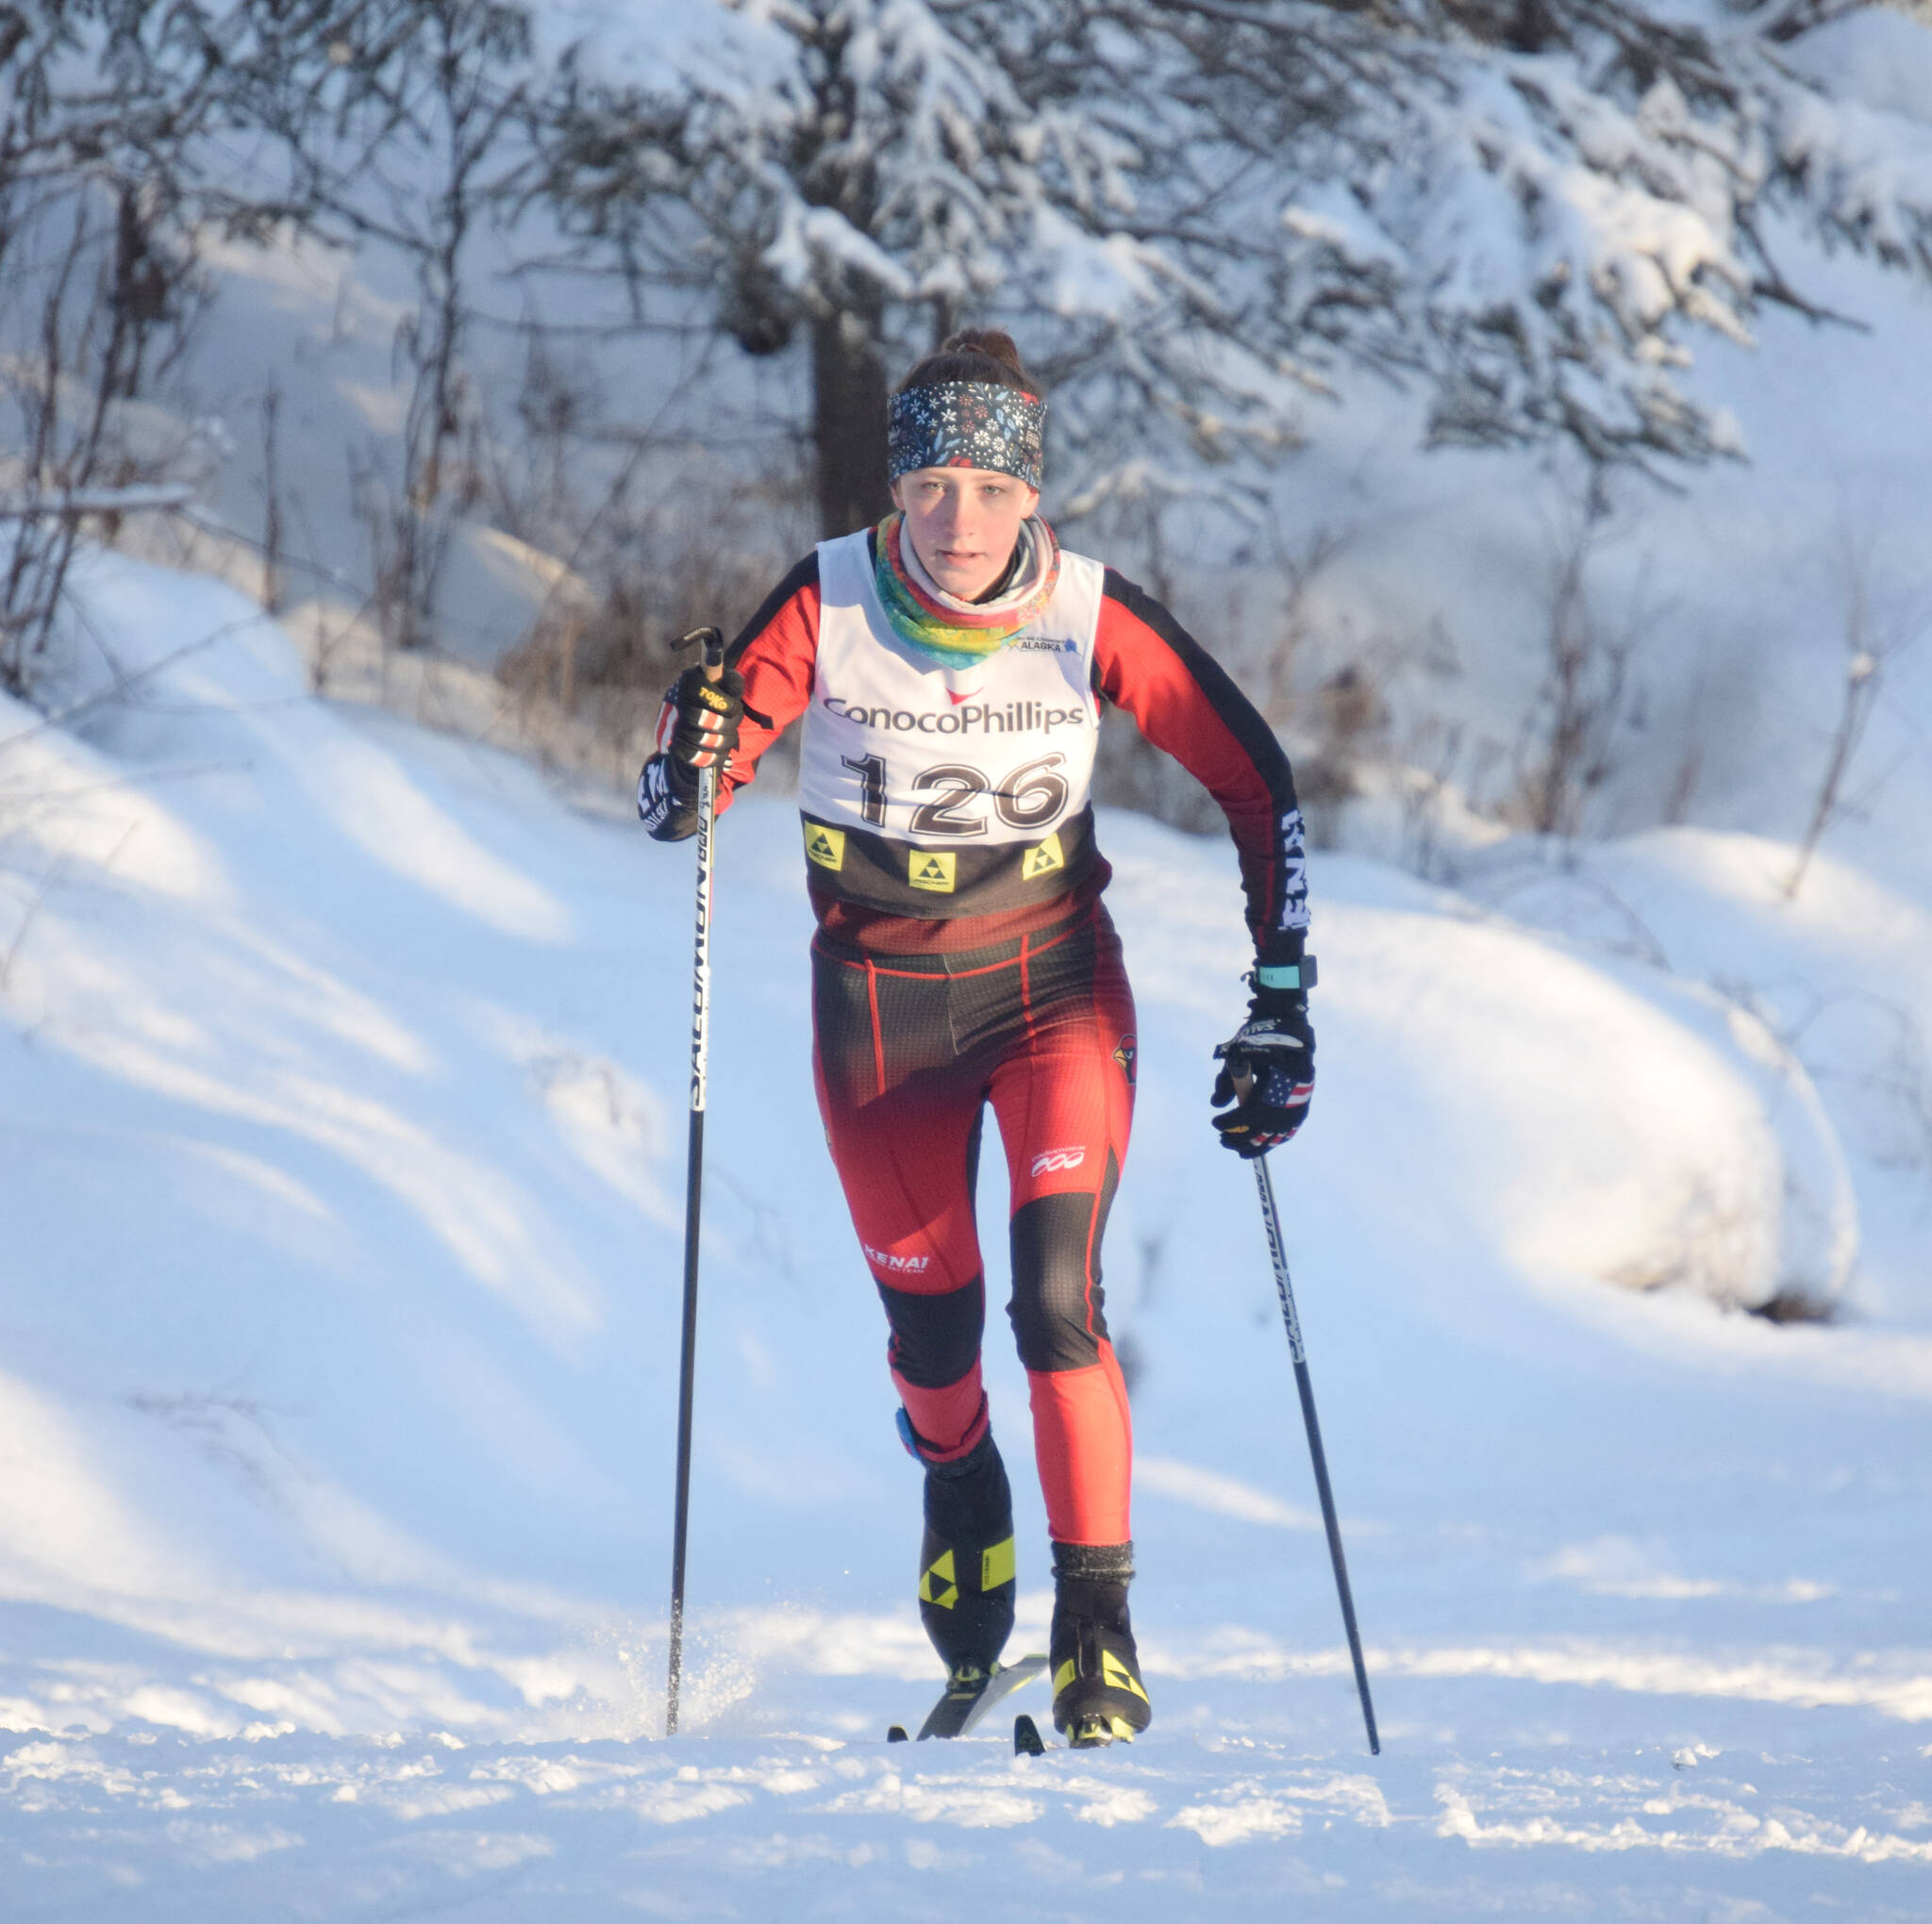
{"x": 929, "y": 1006}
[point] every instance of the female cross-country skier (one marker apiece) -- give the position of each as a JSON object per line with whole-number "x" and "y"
{"x": 950, "y": 665}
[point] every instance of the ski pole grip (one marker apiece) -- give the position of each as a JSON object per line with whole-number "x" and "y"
{"x": 710, "y": 642}
{"x": 1239, "y": 1071}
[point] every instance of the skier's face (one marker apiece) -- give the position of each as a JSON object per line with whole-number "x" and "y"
{"x": 965, "y": 523}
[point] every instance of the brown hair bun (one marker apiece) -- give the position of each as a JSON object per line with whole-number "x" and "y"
{"x": 974, "y": 354}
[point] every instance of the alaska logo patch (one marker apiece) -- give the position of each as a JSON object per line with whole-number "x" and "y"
{"x": 1127, "y": 1053}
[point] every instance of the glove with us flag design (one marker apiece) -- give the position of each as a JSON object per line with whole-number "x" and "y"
{"x": 1268, "y": 1064}
{"x": 697, "y": 728}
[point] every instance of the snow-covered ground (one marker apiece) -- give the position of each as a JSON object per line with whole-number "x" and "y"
{"x": 341, "y": 1163}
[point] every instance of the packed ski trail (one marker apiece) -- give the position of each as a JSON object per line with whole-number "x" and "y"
{"x": 343, "y": 1103}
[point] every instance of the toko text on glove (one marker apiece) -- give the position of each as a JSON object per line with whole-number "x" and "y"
{"x": 697, "y": 727}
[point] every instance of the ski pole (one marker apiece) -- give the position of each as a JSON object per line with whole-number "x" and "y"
{"x": 712, "y": 645}
{"x": 1272, "y": 1221}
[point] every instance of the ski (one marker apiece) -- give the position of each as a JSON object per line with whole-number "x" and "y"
{"x": 970, "y": 1694}
{"x": 1091, "y": 1734}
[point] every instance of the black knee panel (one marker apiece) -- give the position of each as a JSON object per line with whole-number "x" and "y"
{"x": 935, "y": 1338}
{"x": 1057, "y": 1312}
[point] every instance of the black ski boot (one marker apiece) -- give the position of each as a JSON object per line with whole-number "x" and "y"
{"x": 1098, "y": 1692}
{"x": 966, "y": 1569}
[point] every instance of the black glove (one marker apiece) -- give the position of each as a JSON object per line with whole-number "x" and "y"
{"x": 668, "y": 811}
{"x": 1272, "y": 1056}
{"x": 697, "y": 727}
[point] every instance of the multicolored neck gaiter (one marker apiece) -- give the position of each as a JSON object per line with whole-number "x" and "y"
{"x": 956, "y": 633}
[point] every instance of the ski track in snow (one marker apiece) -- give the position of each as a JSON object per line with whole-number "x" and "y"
{"x": 340, "y": 1098}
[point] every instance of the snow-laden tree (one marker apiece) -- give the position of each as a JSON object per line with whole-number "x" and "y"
{"x": 864, "y": 171}
{"x": 1199, "y": 214}
{"x": 1536, "y": 204}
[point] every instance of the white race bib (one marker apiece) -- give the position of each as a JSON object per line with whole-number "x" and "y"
{"x": 939, "y": 791}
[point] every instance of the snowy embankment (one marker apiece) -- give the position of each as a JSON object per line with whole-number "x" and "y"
{"x": 341, "y": 1097}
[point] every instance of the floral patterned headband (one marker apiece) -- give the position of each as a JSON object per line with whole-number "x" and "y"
{"x": 966, "y": 424}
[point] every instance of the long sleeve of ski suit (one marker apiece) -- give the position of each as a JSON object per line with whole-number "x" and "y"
{"x": 1186, "y": 704}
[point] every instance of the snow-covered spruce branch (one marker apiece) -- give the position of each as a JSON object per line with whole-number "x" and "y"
{"x": 1199, "y": 211}
{"x": 1545, "y": 220}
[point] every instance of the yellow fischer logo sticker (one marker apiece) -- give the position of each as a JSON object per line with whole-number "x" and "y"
{"x": 940, "y": 1583}
{"x": 824, "y": 846}
{"x": 1042, "y": 859}
{"x": 932, "y": 868}
{"x": 1116, "y": 1675}
{"x": 997, "y": 1566}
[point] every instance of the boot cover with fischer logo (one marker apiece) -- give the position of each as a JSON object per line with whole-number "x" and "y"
{"x": 967, "y": 1573}
{"x": 1097, "y": 1692}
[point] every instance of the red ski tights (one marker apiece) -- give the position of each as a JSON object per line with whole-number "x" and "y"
{"x": 909, "y": 1051}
